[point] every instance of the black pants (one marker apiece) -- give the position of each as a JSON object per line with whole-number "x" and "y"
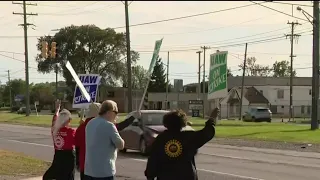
{"x": 82, "y": 176}
{"x": 93, "y": 178}
{"x": 62, "y": 167}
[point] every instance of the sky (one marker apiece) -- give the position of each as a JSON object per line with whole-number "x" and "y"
{"x": 225, "y": 31}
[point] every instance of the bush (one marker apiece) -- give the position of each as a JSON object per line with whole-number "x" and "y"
{"x": 5, "y": 109}
{"x": 15, "y": 108}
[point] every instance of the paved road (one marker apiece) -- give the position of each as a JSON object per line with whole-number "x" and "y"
{"x": 213, "y": 161}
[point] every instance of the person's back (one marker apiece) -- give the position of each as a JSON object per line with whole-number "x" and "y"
{"x": 172, "y": 155}
{"x": 101, "y": 153}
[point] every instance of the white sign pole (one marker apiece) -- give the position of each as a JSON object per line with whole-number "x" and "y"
{"x": 150, "y": 71}
{"x": 76, "y": 78}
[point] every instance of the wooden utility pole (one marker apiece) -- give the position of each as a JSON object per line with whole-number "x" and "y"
{"x": 9, "y": 82}
{"x": 204, "y": 78}
{"x": 128, "y": 57}
{"x": 25, "y": 27}
{"x": 315, "y": 67}
{"x": 292, "y": 36}
{"x": 242, "y": 83}
{"x": 199, "y": 68}
{"x": 167, "y": 84}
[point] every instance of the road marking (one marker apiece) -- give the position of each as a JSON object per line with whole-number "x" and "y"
{"x": 213, "y": 172}
{"x": 23, "y": 142}
{"x": 143, "y": 160}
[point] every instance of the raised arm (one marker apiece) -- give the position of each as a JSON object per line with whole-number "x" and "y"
{"x": 120, "y": 126}
{"x": 55, "y": 116}
{"x": 207, "y": 133}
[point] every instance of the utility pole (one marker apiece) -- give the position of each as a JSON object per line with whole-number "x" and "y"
{"x": 56, "y": 80}
{"x": 199, "y": 68}
{"x": 292, "y": 36}
{"x": 315, "y": 67}
{"x": 25, "y": 27}
{"x": 10, "y": 89}
{"x": 167, "y": 85}
{"x": 242, "y": 83}
{"x": 128, "y": 57}
{"x": 204, "y": 78}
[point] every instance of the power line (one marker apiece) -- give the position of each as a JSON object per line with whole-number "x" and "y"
{"x": 189, "y": 16}
{"x": 232, "y": 39}
{"x": 278, "y": 38}
{"x": 278, "y": 11}
{"x": 212, "y": 29}
{"x": 294, "y": 4}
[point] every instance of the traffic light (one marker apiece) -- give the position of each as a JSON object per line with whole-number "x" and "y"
{"x": 44, "y": 51}
{"x": 53, "y": 50}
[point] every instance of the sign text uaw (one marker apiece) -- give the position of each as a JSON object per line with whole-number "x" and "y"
{"x": 91, "y": 83}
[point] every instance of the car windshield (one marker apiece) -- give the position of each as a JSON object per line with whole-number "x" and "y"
{"x": 152, "y": 118}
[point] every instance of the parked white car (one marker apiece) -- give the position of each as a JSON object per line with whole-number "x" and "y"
{"x": 258, "y": 114}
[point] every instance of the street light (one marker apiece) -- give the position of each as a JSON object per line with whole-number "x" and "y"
{"x": 305, "y": 13}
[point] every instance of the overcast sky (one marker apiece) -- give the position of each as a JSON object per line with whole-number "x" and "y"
{"x": 230, "y": 29}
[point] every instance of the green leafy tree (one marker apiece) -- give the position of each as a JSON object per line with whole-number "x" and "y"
{"x": 43, "y": 93}
{"x": 254, "y": 69}
{"x": 18, "y": 86}
{"x": 89, "y": 49}
{"x": 282, "y": 69}
{"x": 158, "y": 78}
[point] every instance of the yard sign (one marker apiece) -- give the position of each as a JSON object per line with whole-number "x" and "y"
{"x": 218, "y": 75}
{"x": 91, "y": 84}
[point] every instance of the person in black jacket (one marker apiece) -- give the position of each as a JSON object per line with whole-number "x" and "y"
{"x": 172, "y": 153}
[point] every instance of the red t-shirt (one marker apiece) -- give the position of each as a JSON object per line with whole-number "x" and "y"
{"x": 64, "y": 140}
{"x": 80, "y": 142}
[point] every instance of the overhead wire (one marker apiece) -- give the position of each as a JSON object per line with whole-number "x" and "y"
{"x": 188, "y": 16}
{"x": 278, "y": 11}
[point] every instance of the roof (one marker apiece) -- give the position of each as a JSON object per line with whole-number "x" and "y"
{"x": 264, "y": 81}
{"x": 250, "y": 93}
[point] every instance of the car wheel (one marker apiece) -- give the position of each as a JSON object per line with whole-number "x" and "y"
{"x": 143, "y": 147}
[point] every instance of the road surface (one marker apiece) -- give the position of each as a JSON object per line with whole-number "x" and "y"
{"x": 214, "y": 162}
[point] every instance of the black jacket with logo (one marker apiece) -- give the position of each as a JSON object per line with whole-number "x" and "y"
{"x": 172, "y": 154}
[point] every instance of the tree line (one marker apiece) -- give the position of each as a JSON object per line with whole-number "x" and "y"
{"x": 89, "y": 49}
{"x": 278, "y": 69}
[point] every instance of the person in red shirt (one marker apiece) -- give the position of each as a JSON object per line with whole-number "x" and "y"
{"x": 62, "y": 167}
{"x": 80, "y": 144}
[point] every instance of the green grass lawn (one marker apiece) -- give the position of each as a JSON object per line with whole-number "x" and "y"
{"x": 285, "y": 132}
{"x": 34, "y": 120}
{"x": 16, "y": 164}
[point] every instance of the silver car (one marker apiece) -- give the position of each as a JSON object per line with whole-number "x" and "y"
{"x": 258, "y": 114}
{"x": 141, "y": 133}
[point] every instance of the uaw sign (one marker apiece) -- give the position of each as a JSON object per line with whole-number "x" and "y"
{"x": 91, "y": 83}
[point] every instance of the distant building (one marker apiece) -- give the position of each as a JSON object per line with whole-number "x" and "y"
{"x": 274, "y": 90}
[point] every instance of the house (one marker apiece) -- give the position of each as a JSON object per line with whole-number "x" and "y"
{"x": 230, "y": 105}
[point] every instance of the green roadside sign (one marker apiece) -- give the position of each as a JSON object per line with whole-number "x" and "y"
{"x": 155, "y": 56}
{"x": 218, "y": 75}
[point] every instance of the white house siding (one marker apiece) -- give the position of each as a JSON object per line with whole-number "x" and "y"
{"x": 301, "y": 99}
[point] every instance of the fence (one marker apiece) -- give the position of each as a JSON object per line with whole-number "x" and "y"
{"x": 278, "y": 111}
